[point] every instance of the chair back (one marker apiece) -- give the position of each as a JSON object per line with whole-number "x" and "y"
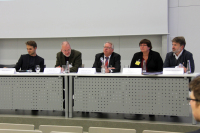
{"x": 18, "y": 131}
{"x": 110, "y": 130}
{"x": 49, "y": 128}
{"x": 152, "y": 131}
{"x": 16, "y": 126}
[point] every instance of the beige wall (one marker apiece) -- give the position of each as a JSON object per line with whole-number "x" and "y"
{"x": 126, "y": 46}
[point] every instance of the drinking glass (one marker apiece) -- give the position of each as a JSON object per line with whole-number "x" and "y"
{"x": 63, "y": 69}
{"x": 37, "y": 69}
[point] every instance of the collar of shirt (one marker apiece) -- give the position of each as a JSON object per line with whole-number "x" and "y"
{"x": 178, "y": 55}
{"x": 108, "y": 59}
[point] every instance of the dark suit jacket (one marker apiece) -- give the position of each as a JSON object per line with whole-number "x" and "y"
{"x": 154, "y": 61}
{"x": 197, "y": 131}
{"x": 23, "y": 63}
{"x": 114, "y": 62}
{"x": 170, "y": 60}
{"x": 74, "y": 59}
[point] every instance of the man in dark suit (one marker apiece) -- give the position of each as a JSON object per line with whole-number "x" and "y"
{"x": 30, "y": 60}
{"x": 68, "y": 54}
{"x": 179, "y": 56}
{"x": 195, "y": 99}
{"x": 110, "y": 58}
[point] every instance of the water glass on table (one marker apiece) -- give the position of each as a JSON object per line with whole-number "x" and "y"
{"x": 37, "y": 69}
{"x": 63, "y": 69}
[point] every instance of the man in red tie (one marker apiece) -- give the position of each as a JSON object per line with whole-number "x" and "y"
{"x": 109, "y": 58}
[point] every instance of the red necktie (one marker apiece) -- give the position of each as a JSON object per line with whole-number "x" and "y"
{"x": 106, "y": 63}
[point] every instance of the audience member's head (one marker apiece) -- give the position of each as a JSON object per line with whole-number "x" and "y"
{"x": 195, "y": 97}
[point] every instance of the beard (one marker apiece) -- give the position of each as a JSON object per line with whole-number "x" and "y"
{"x": 176, "y": 51}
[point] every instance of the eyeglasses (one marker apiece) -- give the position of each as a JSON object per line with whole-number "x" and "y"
{"x": 68, "y": 50}
{"x": 107, "y": 47}
{"x": 188, "y": 98}
{"x": 142, "y": 45}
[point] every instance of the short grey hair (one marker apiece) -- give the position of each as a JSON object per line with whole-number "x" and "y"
{"x": 65, "y": 42}
{"x": 112, "y": 45}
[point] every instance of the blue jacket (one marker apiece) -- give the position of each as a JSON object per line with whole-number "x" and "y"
{"x": 170, "y": 60}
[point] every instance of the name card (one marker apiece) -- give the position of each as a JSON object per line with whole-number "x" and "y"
{"x": 86, "y": 70}
{"x": 132, "y": 70}
{"x": 7, "y": 71}
{"x": 173, "y": 70}
{"x": 52, "y": 70}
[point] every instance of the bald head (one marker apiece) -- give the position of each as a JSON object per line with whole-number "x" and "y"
{"x": 66, "y": 48}
{"x": 65, "y": 43}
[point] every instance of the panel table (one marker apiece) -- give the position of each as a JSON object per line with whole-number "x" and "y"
{"x": 31, "y": 91}
{"x": 125, "y": 93}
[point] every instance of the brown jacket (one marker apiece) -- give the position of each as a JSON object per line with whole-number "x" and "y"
{"x": 74, "y": 59}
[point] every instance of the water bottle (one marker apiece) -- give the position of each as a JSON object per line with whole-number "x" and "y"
{"x": 188, "y": 67}
{"x": 67, "y": 67}
{"x": 144, "y": 67}
{"x": 103, "y": 68}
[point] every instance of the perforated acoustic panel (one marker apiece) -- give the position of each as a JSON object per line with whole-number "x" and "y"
{"x": 31, "y": 93}
{"x": 159, "y": 96}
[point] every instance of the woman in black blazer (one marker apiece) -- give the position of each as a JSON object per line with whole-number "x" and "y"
{"x": 154, "y": 62}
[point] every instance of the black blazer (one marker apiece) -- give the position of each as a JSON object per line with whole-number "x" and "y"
{"x": 154, "y": 61}
{"x": 23, "y": 63}
{"x": 114, "y": 62}
{"x": 170, "y": 60}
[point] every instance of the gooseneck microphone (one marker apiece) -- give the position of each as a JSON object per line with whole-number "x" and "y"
{"x": 101, "y": 59}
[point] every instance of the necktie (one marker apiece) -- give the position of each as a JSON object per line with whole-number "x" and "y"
{"x": 106, "y": 63}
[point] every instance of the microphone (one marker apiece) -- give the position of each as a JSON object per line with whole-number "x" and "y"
{"x": 101, "y": 59}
